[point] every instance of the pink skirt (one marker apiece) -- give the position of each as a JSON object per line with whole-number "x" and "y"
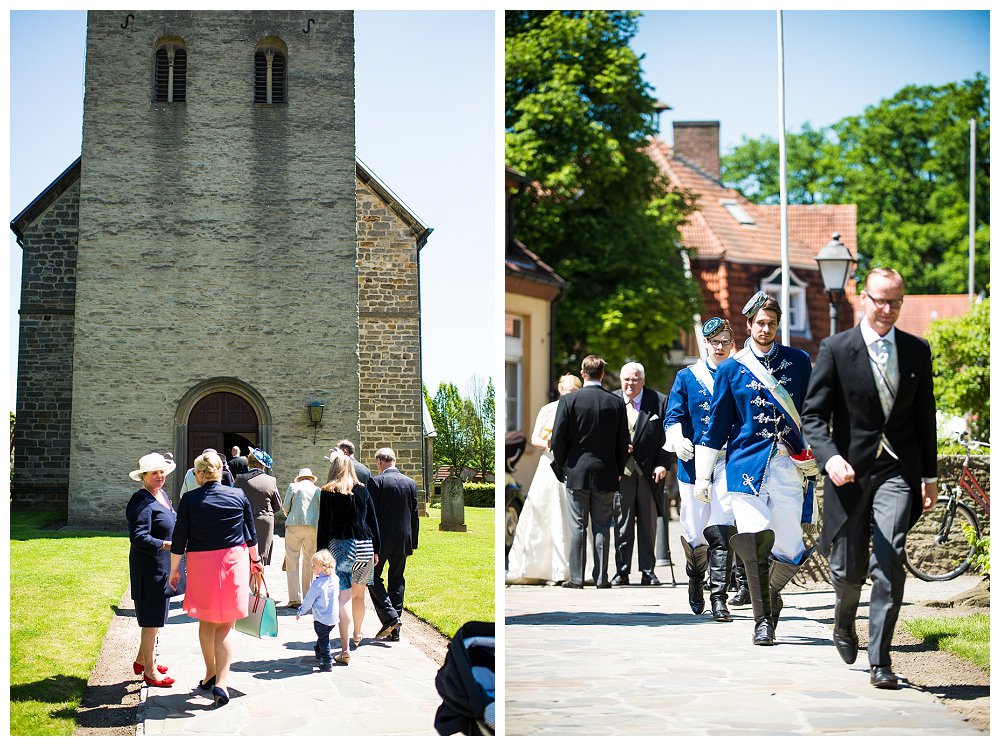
{"x": 218, "y": 584}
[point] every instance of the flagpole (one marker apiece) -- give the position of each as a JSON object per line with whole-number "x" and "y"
{"x": 783, "y": 187}
{"x": 972, "y": 211}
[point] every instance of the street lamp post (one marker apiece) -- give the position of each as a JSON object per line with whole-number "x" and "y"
{"x": 834, "y": 262}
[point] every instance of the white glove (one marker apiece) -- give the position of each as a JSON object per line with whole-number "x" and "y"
{"x": 704, "y": 468}
{"x": 676, "y": 442}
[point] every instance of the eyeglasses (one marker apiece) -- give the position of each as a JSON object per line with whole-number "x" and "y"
{"x": 719, "y": 342}
{"x": 894, "y": 303}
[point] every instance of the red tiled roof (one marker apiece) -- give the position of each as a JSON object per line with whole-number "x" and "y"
{"x": 714, "y": 233}
{"x": 919, "y": 311}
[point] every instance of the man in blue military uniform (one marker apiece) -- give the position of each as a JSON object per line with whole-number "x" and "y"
{"x": 755, "y": 408}
{"x": 706, "y": 527}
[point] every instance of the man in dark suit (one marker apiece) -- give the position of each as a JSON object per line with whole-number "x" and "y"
{"x": 589, "y": 448}
{"x": 874, "y": 385}
{"x": 395, "y": 498}
{"x": 639, "y": 498}
{"x": 238, "y": 464}
{"x": 347, "y": 448}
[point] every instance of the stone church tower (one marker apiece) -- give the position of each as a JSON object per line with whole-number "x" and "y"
{"x": 198, "y": 279}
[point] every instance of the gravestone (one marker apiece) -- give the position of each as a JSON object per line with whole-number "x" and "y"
{"x": 452, "y": 505}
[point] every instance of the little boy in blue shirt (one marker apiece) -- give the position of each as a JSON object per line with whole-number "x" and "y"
{"x": 322, "y": 599}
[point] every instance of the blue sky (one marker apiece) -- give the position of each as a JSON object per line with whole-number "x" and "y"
{"x": 425, "y": 126}
{"x": 723, "y": 65}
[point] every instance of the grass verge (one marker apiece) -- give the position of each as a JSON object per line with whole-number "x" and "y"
{"x": 64, "y": 587}
{"x": 967, "y": 637}
{"x": 450, "y": 577}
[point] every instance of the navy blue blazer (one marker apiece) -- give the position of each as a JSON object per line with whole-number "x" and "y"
{"x": 395, "y": 498}
{"x": 213, "y": 517}
{"x": 149, "y": 525}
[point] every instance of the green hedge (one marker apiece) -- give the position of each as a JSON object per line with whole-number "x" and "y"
{"x": 479, "y": 494}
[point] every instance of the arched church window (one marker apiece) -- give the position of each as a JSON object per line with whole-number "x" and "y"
{"x": 270, "y": 72}
{"x": 170, "y": 72}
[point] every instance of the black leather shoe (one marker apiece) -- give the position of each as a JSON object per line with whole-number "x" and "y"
{"x": 387, "y": 629}
{"x": 741, "y": 597}
{"x": 763, "y": 633}
{"x": 619, "y": 580}
{"x": 847, "y": 645}
{"x": 604, "y": 584}
{"x": 882, "y": 677}
{"x": 394, "y": 637}
{"x": 649, "y": 578}
{"x": 571, "y": 584}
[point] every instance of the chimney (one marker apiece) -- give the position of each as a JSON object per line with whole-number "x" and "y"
{"x": 698, "y": 144}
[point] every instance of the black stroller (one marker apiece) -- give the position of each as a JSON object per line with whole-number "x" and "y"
{"x": 466, "y": 682}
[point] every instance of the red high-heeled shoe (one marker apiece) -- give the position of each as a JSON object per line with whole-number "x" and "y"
{"x": 164, "y": 682}
{"x": 139, "y": 668}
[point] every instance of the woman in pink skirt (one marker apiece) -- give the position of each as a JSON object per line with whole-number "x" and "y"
{"x": 215, "y": 527}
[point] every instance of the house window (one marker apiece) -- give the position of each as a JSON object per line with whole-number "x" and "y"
{"x": 170, "y": 72}
{"x": 513, "y": 370}
{"x": 798, "y": 313}
{"x": 740, "y": 215}
{"x": 270, "y": 73}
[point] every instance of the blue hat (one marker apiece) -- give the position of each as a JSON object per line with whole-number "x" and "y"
{"x": 261, "y": 455}
{"x": 755, "y": 304}
{"x": 715, "y": 326}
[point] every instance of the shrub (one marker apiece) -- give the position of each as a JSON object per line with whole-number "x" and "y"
{"x": 479, "y": 494}
{"x": 981, "y": 555}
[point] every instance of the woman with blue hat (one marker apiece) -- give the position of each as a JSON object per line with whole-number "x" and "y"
{"x": 262, "y": 491}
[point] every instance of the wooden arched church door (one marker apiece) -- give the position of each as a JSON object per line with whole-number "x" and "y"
{"x": 220, "y": 421}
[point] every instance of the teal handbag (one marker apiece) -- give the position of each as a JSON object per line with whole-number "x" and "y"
{"x": 262, "y": 619}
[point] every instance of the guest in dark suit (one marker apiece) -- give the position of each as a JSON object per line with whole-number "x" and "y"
{"x": 347, "y": 448}
{"x": 151, "y": 520}
{"x": 640, "y": 493}
{"x": 870, "y": 417}
{"x": 238, "y": 464}
{"x": 589, "y": 449}
{"x": 395, "y": 498}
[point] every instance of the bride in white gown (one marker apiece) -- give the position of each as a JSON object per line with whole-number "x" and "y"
{"x": 540, "y": 550}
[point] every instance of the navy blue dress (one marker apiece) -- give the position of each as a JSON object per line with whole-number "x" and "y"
{"x": 149, "y": 525}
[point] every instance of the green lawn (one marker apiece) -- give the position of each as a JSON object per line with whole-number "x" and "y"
{"x": 63, "y": 585}
{"x": 450, "y": 577}
{"x": 967, "y": 637}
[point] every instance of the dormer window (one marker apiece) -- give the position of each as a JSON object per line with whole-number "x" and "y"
{"x": 740, "y": 215}
{"x": 798, "y": 312}
{"x": 170, "y": 72}
{"x": 270, "y": 73}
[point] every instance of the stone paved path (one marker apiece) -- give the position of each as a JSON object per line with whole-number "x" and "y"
{"x": 276, "y": 688}
{"x": 636, "y": 661}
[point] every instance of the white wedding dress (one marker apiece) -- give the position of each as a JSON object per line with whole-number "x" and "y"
{"x": 540, "y": 550}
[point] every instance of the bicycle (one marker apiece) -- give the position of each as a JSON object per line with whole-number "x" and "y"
{"x": 937, "y": 547}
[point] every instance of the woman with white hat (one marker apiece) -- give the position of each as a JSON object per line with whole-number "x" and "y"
{"x": 151, "y": 520}
{"x": 301, "y": 508}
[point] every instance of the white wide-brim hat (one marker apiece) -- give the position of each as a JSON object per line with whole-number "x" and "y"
{"x": 152, "y": 462}
{"x": 305, "y": 473}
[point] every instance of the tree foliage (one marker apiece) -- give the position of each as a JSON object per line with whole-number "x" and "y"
{"x": 905, "y": 163}
{"x": 577, "y": 118}
{"x": 465, "y": 428}
{"x": 961, "y": 348}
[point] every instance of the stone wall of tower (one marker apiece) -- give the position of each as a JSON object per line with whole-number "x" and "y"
{"x": 45, "y": 358}
{"x": 389, "y": 304}
{"x": 217, "y": 239}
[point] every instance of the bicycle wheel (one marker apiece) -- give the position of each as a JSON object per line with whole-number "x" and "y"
{"x": 936, "y": 547}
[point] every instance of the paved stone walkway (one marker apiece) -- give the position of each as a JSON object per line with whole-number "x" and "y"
{"x": 276, "y": 688}
{"x": 636, "y": 661}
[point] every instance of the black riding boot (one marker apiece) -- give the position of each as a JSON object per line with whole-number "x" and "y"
{"x": 719, "y": 557}
{"x": 742, "y": 595}
{"x": 696, "y": 561}
{"x": 754, "y": 549}
{"x": 781, "y": 573}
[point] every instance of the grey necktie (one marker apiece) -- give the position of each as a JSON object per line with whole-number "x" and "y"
{"x": 886, "y": 379}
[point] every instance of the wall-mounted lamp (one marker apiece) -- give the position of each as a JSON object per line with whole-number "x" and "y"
{"x": 315, "y": 416}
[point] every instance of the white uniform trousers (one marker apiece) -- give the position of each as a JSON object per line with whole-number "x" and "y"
{"x": 777, "y": 507}
{"x": 695, "y": 514}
